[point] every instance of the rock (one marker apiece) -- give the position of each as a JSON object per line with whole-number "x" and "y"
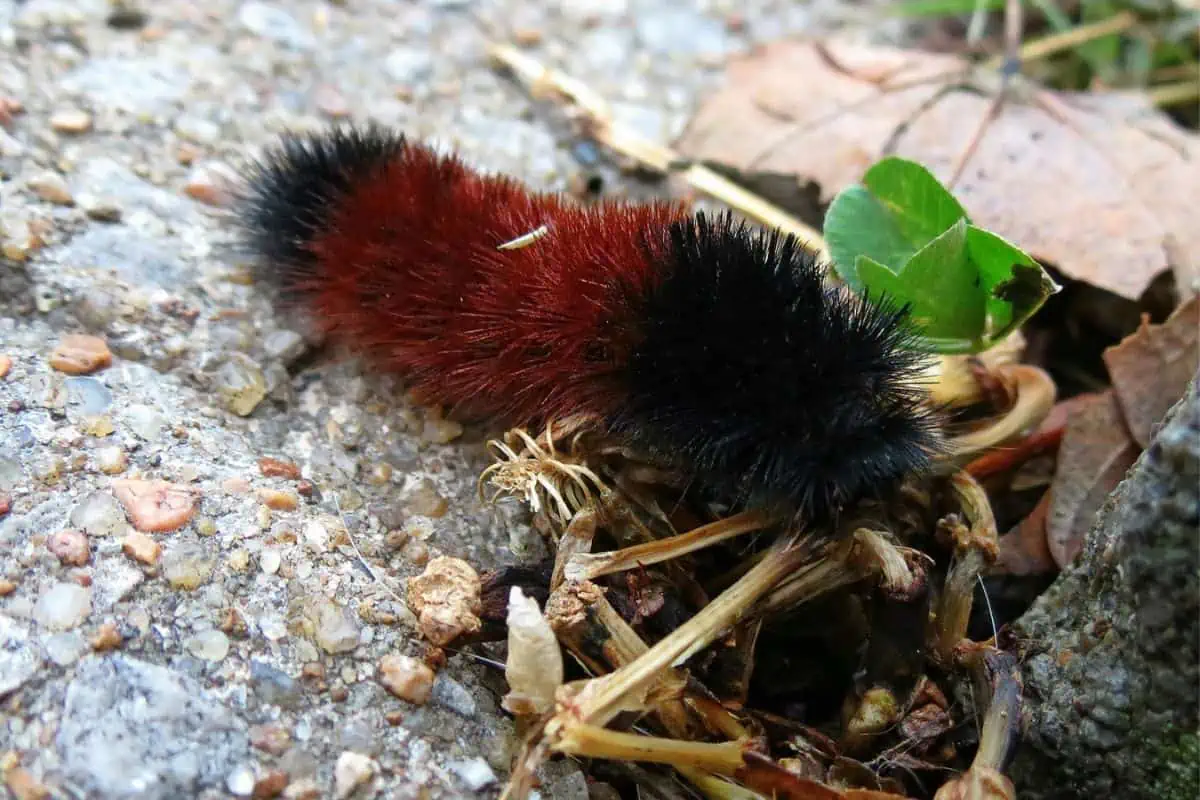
{"x": 111, "y": 460}
{"x": 71, "y": 120}
{"x": 336, "y": 627}
{"x": 454, "y": 696}
{"x": 407, "y": 678}
{"x": 284, "y": 346}
{"x": 270, "y": 785}
{"x": 78, "y": 354}
{"x": 274, "y": 686}
{"x": 70, "y": 547}
{"x": 88, "y": 396}
{"x": 351, "y": 771}
{"x": 65, "y": 648}
{"x": 107, "y": 638}
{"x": 133, "y": 729}
{"x": 240, "y": 381}
{"x": 51, "y": 187}
{"x": 141, "y": 547}
{"x": 19, "y": 659}
{"x": 187, "y": 566}
{"x": 240, "y": 782}
{"x": 270, "y": 561}
{"x": 274, "y": 468}
{"x": 210, "y": 645}
{"x": 155, "y": 506}
{"x": 446, "y": 599}
{"x": 63, "y": 606}
{"x": 474, "y": 772}
{"x": 145, "y": 422}
{"x": 99, "y": 514}
{"x": 278, "y": 500}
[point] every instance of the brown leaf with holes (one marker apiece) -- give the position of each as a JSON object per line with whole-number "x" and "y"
{"x": 1100, "y": 185}
{"x": 1151, "y": 368}
{"x": 1097, "y": 451}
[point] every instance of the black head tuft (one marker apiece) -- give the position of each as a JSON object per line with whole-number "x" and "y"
{"x": 771, "y": 387}
{"x": 290, "y": 193}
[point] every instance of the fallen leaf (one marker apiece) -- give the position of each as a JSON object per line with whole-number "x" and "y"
{"x": 1151, "y": 368}
{"x": 1024, "y": 550}
{"x": 1101, "y": 186}
{"x": 1096, "y": 452}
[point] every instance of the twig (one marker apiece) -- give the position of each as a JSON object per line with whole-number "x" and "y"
{"x": 601, "y": 127}
{"x": 586, "y": 566}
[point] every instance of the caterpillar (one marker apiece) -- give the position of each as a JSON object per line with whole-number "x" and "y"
{"x": 709, "y": 346}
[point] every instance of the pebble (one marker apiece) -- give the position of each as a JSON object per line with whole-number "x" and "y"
{"x": 187, "y": 566}
{"x": 407, "y": 678}
{"x": 51, "y": 187}
{"x": 107, "y": 637}
{"x": 63, "y": 606}
{"x": 351, "y": 771}
{"x": 284, "y": 346}
{"x": 71, "y": 120}
{"x": 98, "y": 514}
{"x": 277, "y": 500}
{"x": 24, "y": 786}
{"x": 408, "y": 66}
{"x": 474, "y": 772}
{"x": 271, "y": 784}
{"x": 155, "y": 506}
{"x": 270, "y": 561}
{"x": 270, "y": 737}
{"x": 111, "y": 460}
{"x": 210, "y": 645}
{"x": 446, "y": 599}
{"x": 336, "y": 628}
{"x": 88, "y": 394}
{"x": 100, "y": 208}
{"x": 65, "y": 648}
{"x": 240, "y": 782}
{"x": 7, "y": 587}
{"x": 454, "y": 696}
{"x": 240, "y": 381}
{"x": 70, "y": 547}
{"x": 303, "y": 789}
{"x": 80, "y": 354}
{"x": 422, "y": 499}
{"x": 6, "y": 363}
{"x": 19, "y": 658}
{"x": 198, "y": 130}
{"x": 145, "y": 422}
{"x": 210, "y": 183}
{"x": 440, "y": 430}
{"x": 141, "y": 547}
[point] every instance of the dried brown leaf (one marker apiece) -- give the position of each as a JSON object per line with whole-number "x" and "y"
{"x": 1099, "y": 185}
{"x": 1151, "y": 368}
{"x": 1096, "y": 452}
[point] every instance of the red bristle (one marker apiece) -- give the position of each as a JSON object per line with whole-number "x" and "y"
{"x": 410, "y": 270}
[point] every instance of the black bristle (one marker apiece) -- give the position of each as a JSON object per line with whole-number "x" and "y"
{"x": 290, "y": 193}
{"x": 772, "y": 387}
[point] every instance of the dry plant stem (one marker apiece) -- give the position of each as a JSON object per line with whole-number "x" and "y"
{"x": 1174, "y": 94}
{"x": 1035, "y": 391}
{"x": 984, "y": 780}
{"x": 586, "y": 566}
{"x": 646, "y": 152}
{"x": 976, "y": 547}
{"x": 587, "y": 624}
{"x": 952, "y": 382}
{"x": 836, "y": 568}
{"x": 1056, "y": 43}
{"x": 593, "y": 741}
{"x": 604, "y": 698}
{"x": 576, "y": 539}
{"x": 717, "y": 788}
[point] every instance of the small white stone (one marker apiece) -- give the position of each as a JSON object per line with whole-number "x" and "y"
{"x": 65, "y": 648}
{"x": 475, "y": 773}
{"x": 273, "y": 627}
{"x": 71, "y": 120}
{"x": 63, "y": 606}
{"x": 51, "y": 187}
{"x": 269, "y": 561}
{"x": 351, "y": 771}
{"x": 316, "y": 536}
{"x": 240, "y": 782}
{"x": 337, "y": 628}
{"x": 211, "y": 645}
